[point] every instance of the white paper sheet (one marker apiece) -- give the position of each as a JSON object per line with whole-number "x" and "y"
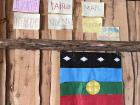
{"x": 26, "y": 21}
{"x": 109, "y": 34}
{"x": 92, "y": 9}
{"x": 60, "y": 6}
{"x": 56, "y": 21}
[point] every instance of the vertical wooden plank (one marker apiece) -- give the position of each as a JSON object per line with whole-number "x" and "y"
{"x": 138, "y": 20}
{"x": 109, "y": 11}
{"x": 55, "y": 87}
{"x": 133, "y": 37}
{"x": 26, "y": 73}
{"x": 55, "y": 68}
{"x": 137, "y": 70}
{"x": 45, "y": 74}
{"x": 23, "y": 70}
{"x": 2, "y": 54}
{"x": 9, "y": 54}
{"x": 55, "y": 64}
{"x": 77, "y": 17}
{"x": 132, "y": 20}
{"x": 121, "y": 20}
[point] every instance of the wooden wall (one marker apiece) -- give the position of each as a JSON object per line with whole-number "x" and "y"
{"x": 32, "y": 77}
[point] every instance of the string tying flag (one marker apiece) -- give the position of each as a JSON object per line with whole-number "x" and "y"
{"x": 88, "y": 78}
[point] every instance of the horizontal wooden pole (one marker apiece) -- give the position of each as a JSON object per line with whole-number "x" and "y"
{"x": 72, "y": 45}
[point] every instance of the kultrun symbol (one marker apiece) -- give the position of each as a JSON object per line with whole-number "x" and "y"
{"x": 93, "y": 87}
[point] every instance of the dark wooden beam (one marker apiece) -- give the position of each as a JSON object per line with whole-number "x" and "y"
{"x": 34, "y": 44}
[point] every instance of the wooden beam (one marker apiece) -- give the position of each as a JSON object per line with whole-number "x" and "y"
{"x": 34, "y": 44}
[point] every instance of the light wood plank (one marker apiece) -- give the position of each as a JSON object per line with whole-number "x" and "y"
{"x": 23, "y": 67}
{"x": 26, "y": 73}
{"x": 137, "y": 70}
{"x": 55, "y": 64}
{"x": 109, "y": 13}
{"x": 121, "y": 20}
{"x": 77, "y": 17}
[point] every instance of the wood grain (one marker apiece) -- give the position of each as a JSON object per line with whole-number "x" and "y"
{"x": 55, "y": 64}
{"x": 85, "y": 45}
{"x": 2, "y": 54}
{"x": 22, "y": 84}
{"x": 45, "y": 69}
{"x": 137, "y": 68}
{"x": 121, "y": 20}
{"x": 26, "y": 73}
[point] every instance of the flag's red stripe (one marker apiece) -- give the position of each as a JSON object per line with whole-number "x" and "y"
{"x": 92, "y": 100}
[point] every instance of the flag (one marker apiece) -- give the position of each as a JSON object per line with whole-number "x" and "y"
{"x": 89, "y": 78}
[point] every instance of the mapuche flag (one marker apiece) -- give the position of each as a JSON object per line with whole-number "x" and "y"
{"x": 88, "y": 78}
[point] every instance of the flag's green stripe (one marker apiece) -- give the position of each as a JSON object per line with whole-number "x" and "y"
{"x": 71, "y": 88}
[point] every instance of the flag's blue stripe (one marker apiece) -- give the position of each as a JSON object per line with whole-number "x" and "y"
{"x": 88, "y": 74}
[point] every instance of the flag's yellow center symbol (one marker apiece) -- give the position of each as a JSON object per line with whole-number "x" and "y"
{"x": 93, "y": 87}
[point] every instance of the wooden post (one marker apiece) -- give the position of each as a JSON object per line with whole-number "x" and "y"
{"x": 45, "y": 74}
{"x": 137, "y": 69}
{"x": 9, "y": 54}
{"x": 2, "y": 54}
{"x": 121, "y": 20}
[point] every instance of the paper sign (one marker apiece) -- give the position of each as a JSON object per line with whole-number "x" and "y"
{"x": 91, "y": 9}
{"x": 109, "y": 34}
{"x": 31, "y": 6}
{"x": 56, "y": 21}
{"x": 92, "y": 25}
{"x": 26, "y": 21}
{"x": 60, "y": 6}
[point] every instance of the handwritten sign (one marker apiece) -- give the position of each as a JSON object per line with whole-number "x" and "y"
{"x": 31, "y": 6}
{"x": 60, "y": 6}
{"x": 56, "y": 21}
{"x": 92, "y": 9}
{"x": 26, "y": 21}
{"x": 92, "y": 25}
{"x": 109, "y": 34}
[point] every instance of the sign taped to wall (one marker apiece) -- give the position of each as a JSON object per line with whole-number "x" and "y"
{"x": 56, "y": 21}
{"x": 26, "y": 21}
{"x": 31, "y": 6}
{"x": 109, "y": 34}
{"x": 60, "y": 6}
{"x": 92, "y": 25}
{"x": 92, "y": 9}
